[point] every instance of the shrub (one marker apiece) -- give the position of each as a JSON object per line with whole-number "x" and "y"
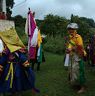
{"x": 54, "y": 45}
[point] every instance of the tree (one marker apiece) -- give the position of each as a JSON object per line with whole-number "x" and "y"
{"x": 54, "y": 25}
{"x": 72, "y": 18}
{"x": 9, "y": 4}
{"x": 19, "y": 21}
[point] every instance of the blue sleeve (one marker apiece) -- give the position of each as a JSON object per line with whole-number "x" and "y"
{"x": 22, "y": 57}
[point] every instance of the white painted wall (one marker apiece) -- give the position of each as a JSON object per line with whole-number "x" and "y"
{"x": 6, "y": 25}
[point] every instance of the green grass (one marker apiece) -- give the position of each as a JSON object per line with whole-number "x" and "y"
{"x": 52, "y": 79}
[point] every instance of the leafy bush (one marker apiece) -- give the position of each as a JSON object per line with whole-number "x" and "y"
{"x": 54, "y": 45}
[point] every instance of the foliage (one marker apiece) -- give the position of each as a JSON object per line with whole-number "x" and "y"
{"x": 22, "y": 35}
{"x": 9, "y": 4}
{"x": 54, "y": 25}
{"x": 19, "y": 21}
{"x": 88, "y": 20}
{"x": 55, "y": 45}
{"x": 85, "y": 25}
{"x": 39, "y": 22}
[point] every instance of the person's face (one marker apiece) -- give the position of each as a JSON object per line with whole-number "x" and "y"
{"x": 71, "y": 31}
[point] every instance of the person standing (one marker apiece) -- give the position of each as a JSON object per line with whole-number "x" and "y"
{"x": 76, "y": 51}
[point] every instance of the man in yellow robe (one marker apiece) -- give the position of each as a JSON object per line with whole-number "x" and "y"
{"x": 76, "y": 51}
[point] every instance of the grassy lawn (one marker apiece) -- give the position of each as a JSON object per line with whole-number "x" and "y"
{"x": 52, "y": 79}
